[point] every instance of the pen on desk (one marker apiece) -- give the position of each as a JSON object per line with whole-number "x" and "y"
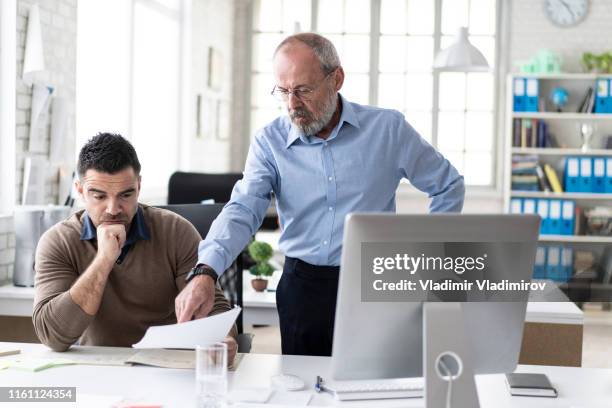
{"x": 319, "y": 387}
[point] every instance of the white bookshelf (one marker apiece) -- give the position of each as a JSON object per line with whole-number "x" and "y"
{"x": 553, "y": 151}
{"x": 564, "y": 125}
{"x": 564, "y": 76}
{"x": 561, "y": 115}
{"x": 588, "y": 239}
{"x": 563, "y": 196}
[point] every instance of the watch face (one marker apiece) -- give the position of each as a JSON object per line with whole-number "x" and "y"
{"x": 565, "y": 13}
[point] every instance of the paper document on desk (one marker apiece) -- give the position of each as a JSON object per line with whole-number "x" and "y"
{"x": 190, "y": 334}
{"x": 87, "y": 355}
{"x": 163, "y": 358}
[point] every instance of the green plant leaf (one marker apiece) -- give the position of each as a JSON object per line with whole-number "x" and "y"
{"x": 260, "y": 251}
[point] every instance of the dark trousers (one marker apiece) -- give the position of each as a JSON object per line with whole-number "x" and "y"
{"x": 306, "y": 301}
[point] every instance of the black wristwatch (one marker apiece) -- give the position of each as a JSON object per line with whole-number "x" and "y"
{"x": 202, "y": 270}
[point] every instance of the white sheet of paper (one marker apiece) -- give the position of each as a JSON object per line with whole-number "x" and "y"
{"x": 190, "y": 334}
{"x": 291, "y": 398}
{"x": 107, "y": 356}
{"x": 256, "y": 395}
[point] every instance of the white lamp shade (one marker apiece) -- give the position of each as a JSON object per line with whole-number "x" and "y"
{"x": 34, "y": 60}
{"x": 461, "y": 56}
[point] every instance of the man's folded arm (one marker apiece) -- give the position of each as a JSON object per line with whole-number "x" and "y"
{"x": 58, "y": 320}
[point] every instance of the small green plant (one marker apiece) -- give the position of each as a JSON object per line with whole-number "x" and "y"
{"x": 601, "y": 63}
{"x": 261, "y": 252}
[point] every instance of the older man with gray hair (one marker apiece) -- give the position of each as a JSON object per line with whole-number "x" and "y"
{"x": 327, "y": 158}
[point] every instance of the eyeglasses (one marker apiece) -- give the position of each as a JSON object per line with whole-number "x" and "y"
{"x": 303, "y": 93}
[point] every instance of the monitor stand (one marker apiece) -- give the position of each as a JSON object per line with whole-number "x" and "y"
{"x": 447, "y": 362}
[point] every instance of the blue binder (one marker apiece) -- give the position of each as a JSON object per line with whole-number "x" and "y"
{"x": 609, "y": 175}
{"x": 529, "y": 206}
{"x": 516, "y": 206}
{"x": 554, "y": 217}
{"x": 608, "y": 104}
{"x": 532, "y": 91}
{"x": 602, "y": 93}
{"x": 572, "y": 175}
{"x": 568, "y": 217}
{"x": 586, "y": 175}
{"x": 567, "y": 264}
{"x": 543, "y": 213}
{"x": 599, "y": 175}
{"x": 553, "y": 263}
{"x": 539, "y": 268}
{"x": 518, "y": 90}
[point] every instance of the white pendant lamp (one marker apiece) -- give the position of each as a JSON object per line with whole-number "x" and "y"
{"x": 34, "y": 60}
{"x": 461, "y": 56}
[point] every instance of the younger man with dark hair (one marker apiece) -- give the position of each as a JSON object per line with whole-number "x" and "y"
{"x": 106, "y": 274}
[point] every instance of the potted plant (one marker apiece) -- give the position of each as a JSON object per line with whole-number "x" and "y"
{"x": 261, "y": 252}
{"x": 601, "y": 64}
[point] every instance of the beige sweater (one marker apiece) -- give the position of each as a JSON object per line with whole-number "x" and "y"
{"x": 140, "y": 292}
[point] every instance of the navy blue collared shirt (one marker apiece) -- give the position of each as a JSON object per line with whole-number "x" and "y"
{"x": 138, "y": 230}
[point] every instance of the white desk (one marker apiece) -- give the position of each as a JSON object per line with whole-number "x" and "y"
{"x": 578, "y": 387}
{"x": 259, "y": 307}
{"x": 552, "y": 336}
{"x": 16, "y": 301}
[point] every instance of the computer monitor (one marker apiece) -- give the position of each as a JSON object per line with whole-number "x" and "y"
{"x": 384, "y": 339}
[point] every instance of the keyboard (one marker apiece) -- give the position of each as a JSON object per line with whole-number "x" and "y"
{"x": 376, "y": 389}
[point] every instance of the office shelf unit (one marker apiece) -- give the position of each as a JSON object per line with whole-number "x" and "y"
{"x": 565, "y": 128}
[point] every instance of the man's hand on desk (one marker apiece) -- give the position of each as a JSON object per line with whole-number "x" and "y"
{"x": 196, "y": 299}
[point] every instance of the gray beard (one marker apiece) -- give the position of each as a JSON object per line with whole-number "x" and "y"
{"x": 315, "y": 126}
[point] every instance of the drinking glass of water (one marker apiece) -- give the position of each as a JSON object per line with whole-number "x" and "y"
{"x": 211, "y": 376}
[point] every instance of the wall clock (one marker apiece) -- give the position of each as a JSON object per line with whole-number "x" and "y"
{"x": 566, "y": 13}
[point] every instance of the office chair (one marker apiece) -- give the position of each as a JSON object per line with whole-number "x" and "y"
{"x": 192, "y": 188}
{"x": 202, "y": 216}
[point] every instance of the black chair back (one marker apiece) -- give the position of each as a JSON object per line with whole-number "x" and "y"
{"x": 202, "y": 216}
{"x": 191, "y": 188}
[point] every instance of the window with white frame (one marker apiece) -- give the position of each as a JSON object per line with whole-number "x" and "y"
{"x": 128, "y": 81}
{"x": 453, "y": 111}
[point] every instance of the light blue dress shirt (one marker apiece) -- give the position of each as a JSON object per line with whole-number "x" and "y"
{"x": 318, "y": 182}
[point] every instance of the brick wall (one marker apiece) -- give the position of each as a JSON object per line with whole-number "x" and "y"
{"x": 58, "y": 26}
{"x": 7, "y": 248}
{"x": 58, "y": 20}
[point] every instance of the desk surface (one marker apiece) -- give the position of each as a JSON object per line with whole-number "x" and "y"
{"x": 17, "y": 301}
{"x": 578, "y": 387}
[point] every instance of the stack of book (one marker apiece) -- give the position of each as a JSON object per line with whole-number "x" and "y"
{"x": 525, "y": 173}
{"x": 529, "y": 175}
